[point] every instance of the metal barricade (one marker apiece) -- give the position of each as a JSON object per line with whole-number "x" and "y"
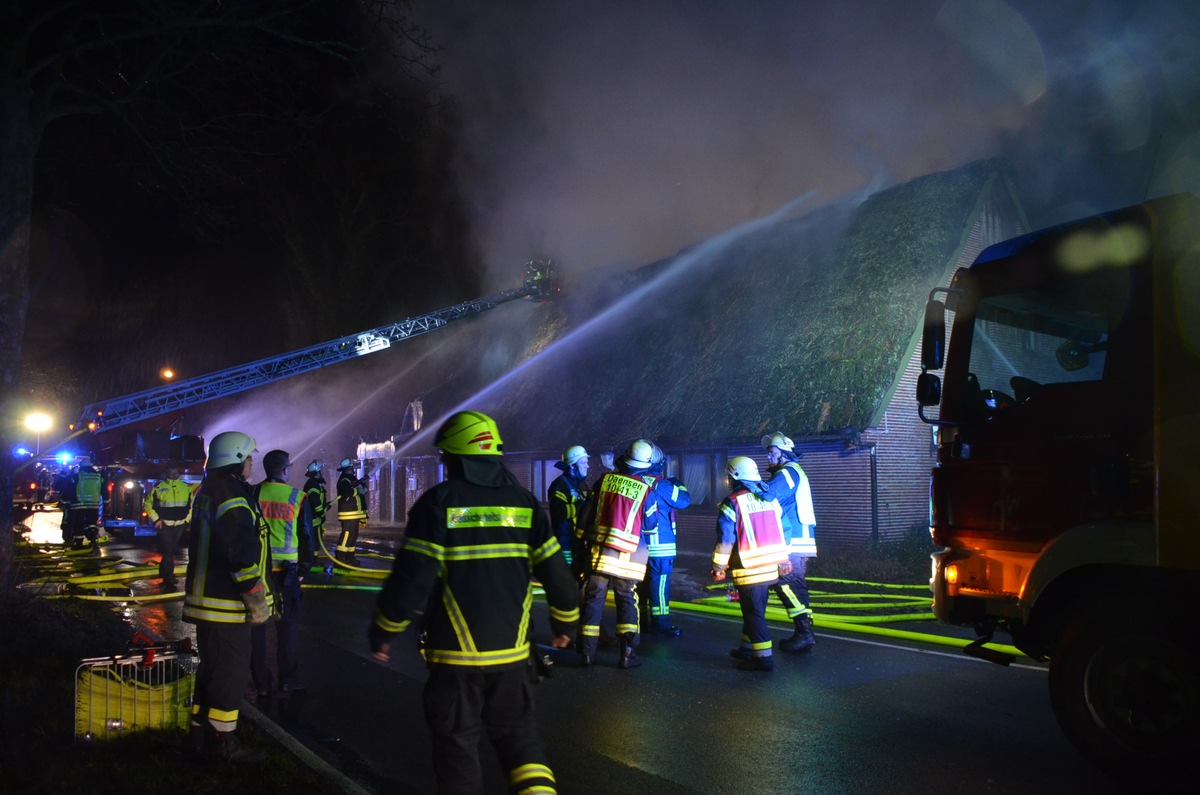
{"x": 149, "y": 688}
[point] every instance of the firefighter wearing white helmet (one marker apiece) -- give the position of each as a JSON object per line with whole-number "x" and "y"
{"x": 351, "y": 511}
{"x": 672, "y": 495}
{"x": 226, "y": 593}
{"x": 473, "y": 545}
{"x": 751, "y": 551}
{"x": 789, "y": 485}
{"x": 317, "y": 499}
{"x": 568, "y": 494}
{"x": 622, "y": 506}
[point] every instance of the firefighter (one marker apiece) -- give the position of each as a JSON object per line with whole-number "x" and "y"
{"x": 169, "y": 508}
{"x": 751, "y": 551}
{"x": 352, "y": 511}
{"x": 660, "y": 546}
{"x": 621, "y": 506}
{"x": 226, "y": 594}
{"x": 317, "y": 499}
{"x": 464, "y": 573}
{"x": 65, "y": 486}
{"x": 789, "y": 485}
{"x": 289, "y": 532}
{"x": 87, "y": 507}
{"x": 568, "y": 494}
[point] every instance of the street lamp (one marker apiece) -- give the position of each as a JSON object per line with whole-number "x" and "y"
{"x": 166, "y": 374}
{"x": 39, "y": 423}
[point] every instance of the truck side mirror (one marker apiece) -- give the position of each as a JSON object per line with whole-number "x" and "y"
{"x": 929, "y": 389}
{"x": 933, "y": 336}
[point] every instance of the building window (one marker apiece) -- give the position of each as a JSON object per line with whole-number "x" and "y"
{"x": 544, "y": 473}
{"x": 696, "y": 475}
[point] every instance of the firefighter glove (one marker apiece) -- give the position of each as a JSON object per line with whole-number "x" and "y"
{"x": 718, "y": 573}
{"x": 785, "y": 568}
{"x": 362, "y": 524}
{"x": 256, "y": 604}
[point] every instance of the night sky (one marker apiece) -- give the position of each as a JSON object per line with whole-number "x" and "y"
{"x": 596, "y": 134}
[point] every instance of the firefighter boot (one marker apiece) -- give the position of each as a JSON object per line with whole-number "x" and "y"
{"x": 661, "y": 625}
{"x": 196, "y": 737}
{"x": 226, "y": 747}
{"x": 756, "y": 664}
{"x": 629, "y": 658}
{"x": 803, "y": 638}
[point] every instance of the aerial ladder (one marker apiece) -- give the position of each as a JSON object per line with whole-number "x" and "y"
{"x": 539, "y": 284}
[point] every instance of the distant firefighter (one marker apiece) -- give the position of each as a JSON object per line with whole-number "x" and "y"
{"x": 169, "y": 507}
{"x": 352, "y": 511}
{"x": 317, "y": 499}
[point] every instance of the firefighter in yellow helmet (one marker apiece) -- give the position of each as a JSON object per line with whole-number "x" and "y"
{"x": 226, "y": 594}
{"x": 750, "y": 551}
{"x": 352, "y": 511}
{"x": 464, "y": 573}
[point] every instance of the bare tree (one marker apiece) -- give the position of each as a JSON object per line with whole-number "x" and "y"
{"x": 209, "y": 88}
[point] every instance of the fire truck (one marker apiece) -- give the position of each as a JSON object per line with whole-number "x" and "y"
{"x": 1065, "y": 497}
{"x": 131, "y": 437}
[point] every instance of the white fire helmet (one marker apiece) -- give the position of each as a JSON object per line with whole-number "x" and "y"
{"x": 640, "y": 454}
{"x": 777, "y": 439}
{"x": 314, "y": 468}
{"x": 346, "y": 464}
{"x": 574, "y": 454}
{"x": 743, "y": 468}
{"x": 230, "y": 447}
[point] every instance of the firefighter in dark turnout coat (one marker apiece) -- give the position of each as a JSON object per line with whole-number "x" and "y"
{"x": 464, "y": 575}
{"x": 226, "y": 593}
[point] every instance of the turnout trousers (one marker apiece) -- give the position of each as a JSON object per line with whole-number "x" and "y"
{"x": 167, "y": 541}
{"x": 595, "y": 589}
{"x": 460, "y": 704}
{"x": 221, "y": 676}
{"x": 658, "y": 576}
{"x": 792, "y": 590}
{"x": 756, "y": 633}
{"x": 348, "y": 543}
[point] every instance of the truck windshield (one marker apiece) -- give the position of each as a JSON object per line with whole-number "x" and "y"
{"x": 1057, "y": 333}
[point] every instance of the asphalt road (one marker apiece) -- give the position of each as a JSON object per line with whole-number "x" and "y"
{"x": 857, "y": 714}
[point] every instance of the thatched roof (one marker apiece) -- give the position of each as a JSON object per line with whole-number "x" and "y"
{"x": 802, "y": 323}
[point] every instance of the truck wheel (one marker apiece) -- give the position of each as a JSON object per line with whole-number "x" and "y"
{"x": 1128, "y": 697}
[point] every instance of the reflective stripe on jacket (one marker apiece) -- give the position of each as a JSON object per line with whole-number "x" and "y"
{"x": 750, "y": 538}
{"x": 789, "y": 485}
{"x": 567, "y": 496}
{"x": 350, "y": 498}
{"x": 170, "y": 501}
{"x": 89, "y": 491}
{"x": 618, "y": 516}
{"x": 465, "y": 571}
{"x": 227, "y": 555}
{"x": 288, "y": 523}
